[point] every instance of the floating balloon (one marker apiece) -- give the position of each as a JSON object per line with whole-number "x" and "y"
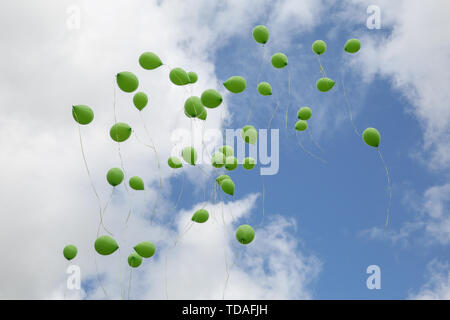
{"x": 304, "y": 113}
{"x": 134, "y": 260}
{"x": 136, "y": 183}
{"x": 203, "y": 115}
{"x": 279, "y": 60}
{"x": 192, "y": 77}
{"x": 226, "y": 150}
{"x": 235, "y": 84}
{"x": 145, "y": 249}
{"x": 105, "y": 245}
{"x": 261, "y": 34}
{"x": 249, "y": 134}
{"x": 174, "y": 162}
{"x": 218, "y": 160}
{"x": 140, "y": 100}
{"x": 70, "y": 252}
{"x": 352, "y": 46}
{"x": 319, "y": 47}
{"x": 211, "y": 98}
{"x": 245, "y": 234}
{"x": 371, "y": 136}
{"x": 227, "y": 186}
{"x": 149, "y": 61}
{"x": 200, "y": 216}
{"x": 178, "y": 76}
{"x": 193, "y": 107}
{"x": 127, "y": 81}
{"x": 231, "y": 163}
{"x": 120, "y": 132}
{"x": 249, "y": 163}
{"x": 265, "y": 89}
{"x": 189, "y": 155}
{"x": 325, "y": 84}
{"x": 221, "y": 178}
{"x": 115, "y": 176}
{"x": 301, "y": 125}
{"x": 82, "y": 114}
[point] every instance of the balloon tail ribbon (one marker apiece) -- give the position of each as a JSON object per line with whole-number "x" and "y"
{"x": 307, "y": 151}
{"x": 388, "y": 209}
{"x": 349, "y": 108}
{"x": 229, "y": 272}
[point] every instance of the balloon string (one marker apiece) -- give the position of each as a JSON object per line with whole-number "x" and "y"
{"x": 258, "y": 76}
{"x": 388, "y": 209}
{"x": 180, "y": 193}
{"x": 322, "y": 70}
{"x": 315, "y": 142}
{"x": 289, "y": 97}
{"x": 104, "y": 211}
{"x": 263, "y": 200}
{"x": 349, "y": 109}
{"x": 98, "y": 277}
{"x": 165, "y": 278}
{"x": 229, "y": 272}
{"x": 273, "y": 115}
{"x": 307, "y": 151}
{"x": 154, "y": 149}
{"x": 189, "y": 226}
{"x": 129, "y": 283}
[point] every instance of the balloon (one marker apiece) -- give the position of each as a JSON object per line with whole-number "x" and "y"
{"x": 145, "y": 249}
{"x": 221, "y": 178}
{"x": 203, "y": 115}
{"x": 120, "y": 132}
{"x": 304, "y": 113}
{"x": 261, "y": 34}
{"x": 231, "y": 163}
{"x": 192, "y": 77}
{"x": 70, "y": 252}
{"x": 105, "y": 245}
{"x": 301, "y": 125}
{"x": 279, "y": 60}
{"x": 249, "y": 163}
{"x": 178, "y": 76}
{"x": 189, "y": 155}
{"x": 227, "y": 186}
{"x": 127, "y": 81}
{"x": 245, "y": 234}
{"x": 319, "y": 47}
{"x": 149, "y": 61}
{"x": 325, "y": 84}
{"x": 235, "y": 84}
{"x": 265, "y": 89}
{"x": 249, "y": 134}
{"x": 115, "y": 176}
{"x": 136, "y": 183}
{"x": 140, "y": 100}
{"x": 352, "y": 46}
{"x": 371, "y": 136}
{"x": 134, "y": 260}
{"x": 211, "y": 98}
{"x": 82, "y": 114}
{"x": 174, "y": 162}
{"x": 218, "y": 160}
{"x": 200, "y": 216}
{"x": 226, "y": 150}
{"x": 193, "y": 107}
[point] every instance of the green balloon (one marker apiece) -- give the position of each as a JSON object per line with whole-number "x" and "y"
{"x": 226, "y": 150}
{"x": 193, "y": 107}
{"x": 249, "y": 163}
{"x": 134, "y": 260}
{"x": 221, "y": 178}
{"x": 105, "y": 245}
{"x": 227, "y": 186}
{"x": 304, "y": 113}
{"x": 279, "y": 60}
{"x": 372, "y": 137}
{"x": 178, "y": 76}
{"x": 189, "y": 155}
{"x": 211, "y": 98}
{"x": 136, "y": 183}
{"x": 352, "y": 46}
{"x": 265, "y": 89}
{"x": 319, "y": 47}
{"x": 115, "y": 176}
{"x": 231, "y": 163}
{"x": 325, "y": 84}
{"x": 70, "y": 252}
{"x": 174, "y": 162}
{"x": 140, "y": 100}
{"x": 149, "y": 61}
{"x": 235, "y": 84}
{"x": 82, "y": 114}
{"x": 301, "y": 125}
{"x": 218, "y": 160}
{"x": 120, "y": 132}
{"x": 192, "y": 77}
{"x": 261, "y": 34}
{"x": 127, "y": 81}
{"x": 245, "y": 234}
{"x": 200, "y": 216}
{"x": 203, "y": 115}
{"x": 250, "y": 135}
{"x": 145, "y": 249}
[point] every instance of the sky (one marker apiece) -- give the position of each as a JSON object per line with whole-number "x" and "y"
{"x": 319, "y": 221}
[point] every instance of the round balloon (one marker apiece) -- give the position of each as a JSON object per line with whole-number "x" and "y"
{"x": 231, "y": 163}
{"x": 250, "y": 135}
{"x": 193, "y": 107}
{"x": 279, "y": 60}
{"x": 149, "y": 61}
{"x": 319, "y": 47}
{"x": 203, "y": 115}
{"x": 189, "y": 155}
{"x": 145, "y": 249}
{"x": 211, "y": 98}
{"x": 352, "y": 46}
{"x": 245, "y": 234}
{"x": 120, "y": 132}
{"x": 261, "y": 34}
{"x": 192, "y": 77}
{"x": 249, "y": 163}
{"x": 115, "y": 176}
{"x": 218, "y": 160}
{"x": 226, "y": 150}
{"x": 134, "y": 260}
{"x": 82, "y": 114}
{"x": 372, "y": 137}
{"x": 304, "y": 113}
{"x": 70, "y": 252}
{"x": 105, "y": 245}
{"x": 200, "y": 216}
{"x": 174, "y": 162}
{"x": 325, "y": 84}
{"x": 301, "y": 125}
{"x": 265, "y": 89}
{"x": 127, "y": 81}
{"x": 235, "y": 84}
{"x": 136, "y": 183}
{"x": 178, "y": 76}
{"x": 227, "y": 186}
{"x": 140, "y": 100}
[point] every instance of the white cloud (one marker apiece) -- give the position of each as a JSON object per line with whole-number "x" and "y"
{"x": 437, "y": 286}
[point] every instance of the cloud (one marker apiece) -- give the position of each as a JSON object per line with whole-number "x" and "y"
{"x": 437, "y": 286}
